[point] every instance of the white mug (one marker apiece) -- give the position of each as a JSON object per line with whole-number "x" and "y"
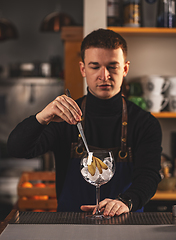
{"x": 154, "y": 84}
{"x": 156, "y": 102}
{"x": 172, "y": 88}
{"x": 172, "y": 103}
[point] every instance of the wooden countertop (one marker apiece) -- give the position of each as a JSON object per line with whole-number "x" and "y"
{"x": 5, "y": 222}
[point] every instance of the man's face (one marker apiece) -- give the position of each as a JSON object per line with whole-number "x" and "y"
{"x": 104, "y": 70}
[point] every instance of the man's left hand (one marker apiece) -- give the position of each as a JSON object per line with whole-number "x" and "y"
{"x": 110, "y": 207}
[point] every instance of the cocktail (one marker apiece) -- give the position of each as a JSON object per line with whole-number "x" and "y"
{"x": 97, "y": 168}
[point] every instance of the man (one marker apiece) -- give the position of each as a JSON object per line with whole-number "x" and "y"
{"x": 110, "y": 122}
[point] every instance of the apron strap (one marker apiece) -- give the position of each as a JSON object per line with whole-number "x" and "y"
{"x": 123, "y": 152}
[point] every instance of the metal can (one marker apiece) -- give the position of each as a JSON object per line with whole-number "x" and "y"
{"x": 131, "y": 13}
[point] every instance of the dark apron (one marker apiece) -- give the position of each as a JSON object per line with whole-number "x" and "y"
{"x": 77, "y": 192}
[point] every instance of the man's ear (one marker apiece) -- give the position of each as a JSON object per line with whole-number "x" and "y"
{"x": 126, "y": 68}
{"x": 82, "y": 68}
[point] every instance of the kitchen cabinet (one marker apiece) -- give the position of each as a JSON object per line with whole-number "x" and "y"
{"x": 72, "y": 37}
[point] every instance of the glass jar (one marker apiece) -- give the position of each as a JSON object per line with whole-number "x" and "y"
{"x": 166, "y": 14}
{"x": 113, "y": 13}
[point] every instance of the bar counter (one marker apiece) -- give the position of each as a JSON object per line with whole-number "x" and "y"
{"x": 68, "y": 225}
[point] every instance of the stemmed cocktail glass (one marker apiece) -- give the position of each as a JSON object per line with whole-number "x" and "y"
{"x": 97, "y": 168}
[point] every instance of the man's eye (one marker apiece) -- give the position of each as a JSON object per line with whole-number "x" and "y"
{"x": 95, "y": 67}
{"x": 112, "y": 67}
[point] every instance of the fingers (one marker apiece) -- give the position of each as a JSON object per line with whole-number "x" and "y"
{"x": 113, "y": 207}
{"x": 122, "y": 209}
{"x": 62, "y": 108}
{"x": 87, "y": 208}
{"x": 71, "y": 105}
{"x": 109, "y": 206}
{"x": 67, "y": 109}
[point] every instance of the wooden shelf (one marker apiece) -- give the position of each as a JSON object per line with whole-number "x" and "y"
{"x": 164, "y": 114}
{"x": 75, "y": 33}
{"x": 145, "y": 31}
{"x": 164, "y": 195}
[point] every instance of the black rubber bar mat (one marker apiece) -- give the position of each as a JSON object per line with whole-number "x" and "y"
{"x": 147, "y": 218}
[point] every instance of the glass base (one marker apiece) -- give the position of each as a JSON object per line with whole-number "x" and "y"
{"x": 98, "y": 216}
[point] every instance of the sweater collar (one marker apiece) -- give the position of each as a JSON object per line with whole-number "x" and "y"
{"x": 104, "y": 107}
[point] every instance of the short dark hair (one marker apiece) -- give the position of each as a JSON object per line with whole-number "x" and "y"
{"x": 103, "y": 38}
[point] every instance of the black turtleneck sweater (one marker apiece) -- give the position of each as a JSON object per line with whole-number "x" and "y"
{"x": 102, "y": 129}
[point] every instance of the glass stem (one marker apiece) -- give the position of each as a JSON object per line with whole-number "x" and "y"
{"x": 97, "y": 199}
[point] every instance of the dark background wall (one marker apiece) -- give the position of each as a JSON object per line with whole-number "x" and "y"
{"x": 27, "y": 16}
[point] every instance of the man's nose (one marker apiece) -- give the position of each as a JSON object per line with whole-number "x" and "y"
{"x": 104, "y": 74}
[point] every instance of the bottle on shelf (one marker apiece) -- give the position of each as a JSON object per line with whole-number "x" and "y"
{"x": 166, "y": 14}
{"x": 171, "y": 14}
{"x": 114, "y": 13}
{"x": 149, "y": 10}
{"x": 131, "y": 13}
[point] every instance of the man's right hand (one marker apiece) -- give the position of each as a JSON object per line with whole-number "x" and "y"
{"x": 63, "y": 108}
